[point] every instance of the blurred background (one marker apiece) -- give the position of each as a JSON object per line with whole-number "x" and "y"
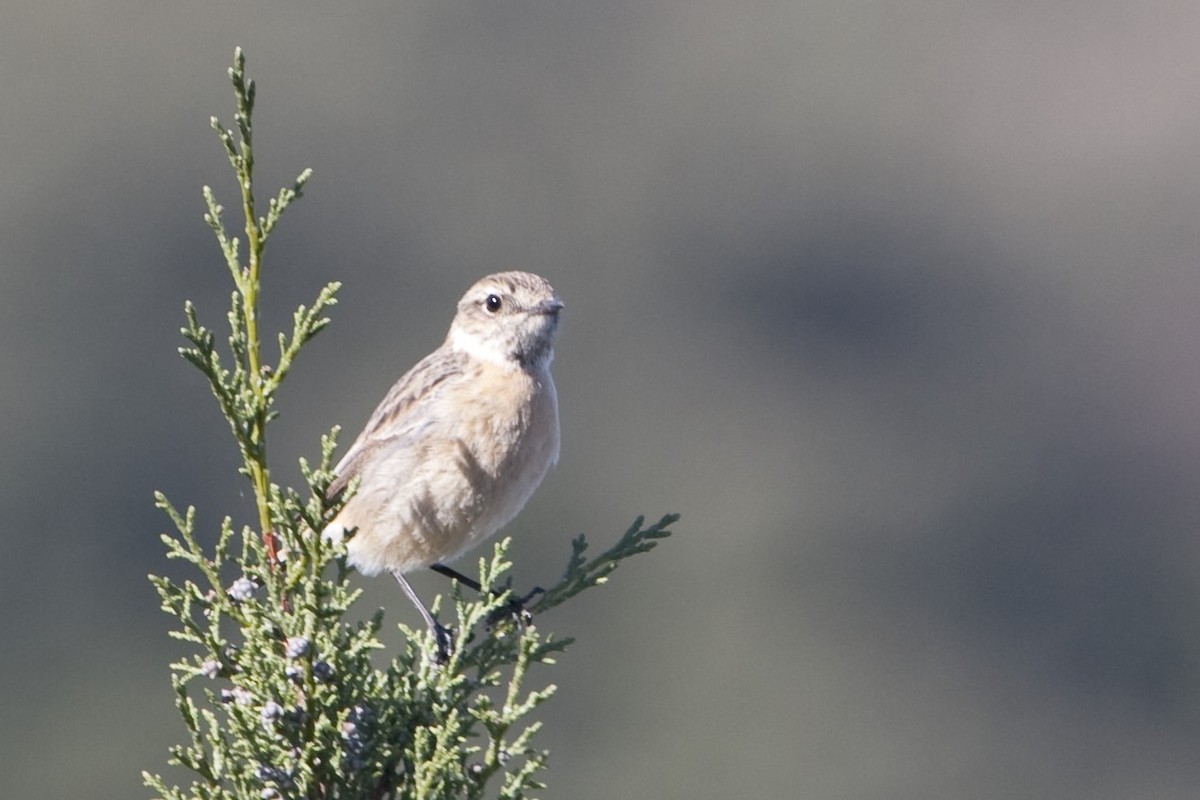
{"x": 895, "y": 303}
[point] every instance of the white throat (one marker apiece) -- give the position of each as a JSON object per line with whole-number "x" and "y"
{"x": 481, "y": 347}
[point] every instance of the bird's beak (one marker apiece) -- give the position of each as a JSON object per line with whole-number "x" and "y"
{"x": 552, "y": 306}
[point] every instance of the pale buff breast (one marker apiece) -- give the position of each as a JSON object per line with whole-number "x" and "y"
{"x": 490, "y": 443}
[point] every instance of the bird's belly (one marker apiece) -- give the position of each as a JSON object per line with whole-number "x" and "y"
{"x": 459, "y": 490}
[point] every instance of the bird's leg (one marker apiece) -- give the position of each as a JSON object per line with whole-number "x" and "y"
{"x": 450, "y": 572}
{"x": 443, "y": 635}
{"x": 516, "y": 606}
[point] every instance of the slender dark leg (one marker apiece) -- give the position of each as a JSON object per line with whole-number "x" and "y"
{"x": 516, "y": 606}
{"x": 458, "y": 576}
{"x": 442, "y": 634}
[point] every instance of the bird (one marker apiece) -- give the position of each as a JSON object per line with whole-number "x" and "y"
{"x": 460, "y": 443}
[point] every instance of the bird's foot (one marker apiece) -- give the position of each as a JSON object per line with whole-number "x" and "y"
{"x": 514, "y": 610}
{"x": 443, "y": 643}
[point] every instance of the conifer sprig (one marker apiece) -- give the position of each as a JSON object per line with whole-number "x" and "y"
{"x": 281, "y": 695}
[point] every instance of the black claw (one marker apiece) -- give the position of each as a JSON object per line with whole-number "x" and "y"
{"x": 534, "y": 592}
{"x": 445, "y": 643}
{"x": 515, "y": 611}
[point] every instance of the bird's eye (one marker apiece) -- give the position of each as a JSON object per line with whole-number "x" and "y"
{"x": 493, "y": 303}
